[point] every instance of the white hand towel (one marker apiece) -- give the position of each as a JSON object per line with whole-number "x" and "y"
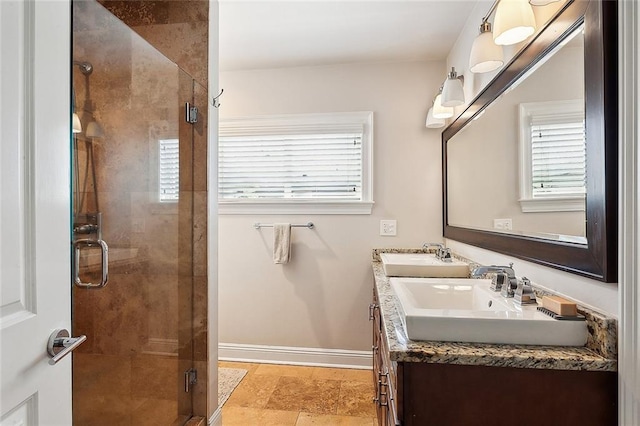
{"x": 281, "y": 242}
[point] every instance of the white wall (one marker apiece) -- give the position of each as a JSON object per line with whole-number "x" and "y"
{"x": 320, "y": 299}
{"x": 600, "y": 296}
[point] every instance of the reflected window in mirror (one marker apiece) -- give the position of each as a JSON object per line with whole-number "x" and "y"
{"x": 552, "y": 156}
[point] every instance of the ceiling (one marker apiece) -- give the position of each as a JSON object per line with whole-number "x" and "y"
{"x": 277, "y": 34}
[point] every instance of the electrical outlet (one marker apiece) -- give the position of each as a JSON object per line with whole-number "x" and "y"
{"x": 388, "y": 228}
{"x": 504, "y": 224}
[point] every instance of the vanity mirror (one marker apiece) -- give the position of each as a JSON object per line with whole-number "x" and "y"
{"x": 530, "y": 167}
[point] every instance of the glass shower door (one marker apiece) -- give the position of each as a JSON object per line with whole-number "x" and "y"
{"x": 133, "y": 190}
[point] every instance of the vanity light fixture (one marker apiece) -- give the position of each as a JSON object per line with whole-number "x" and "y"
{"x": 453, "y": 90}
{"x": 94, "y": 130}
{"x": 485, "y": 55}
{"x": 432, "y": 122}
{"x": 76, "y": 124}
{"x": 542, "y": 2}
{"x": 439, "y": 110}
{"x": 514, "y": 22}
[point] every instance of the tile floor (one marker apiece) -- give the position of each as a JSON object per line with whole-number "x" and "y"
{"x": 286, "y": 395}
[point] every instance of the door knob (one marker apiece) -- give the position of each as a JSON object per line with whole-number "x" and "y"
{"x": 61, "y": 345}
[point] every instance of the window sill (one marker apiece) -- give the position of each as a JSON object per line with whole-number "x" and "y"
{"x": 294, "y": 207}
{"x": 563, "y": 204}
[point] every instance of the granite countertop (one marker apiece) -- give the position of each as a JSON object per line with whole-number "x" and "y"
{"x": 401, "y": 349}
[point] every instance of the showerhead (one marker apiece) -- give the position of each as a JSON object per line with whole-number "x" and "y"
{"x": 85, "y": 67}
{"x": 93, "y": 128}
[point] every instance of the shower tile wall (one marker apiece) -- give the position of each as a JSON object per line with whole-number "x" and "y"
{"x": 149, "y": 324}
{"x": 178, "y": 29}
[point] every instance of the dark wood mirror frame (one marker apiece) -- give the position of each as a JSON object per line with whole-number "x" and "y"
{"x": 598, "y": 258}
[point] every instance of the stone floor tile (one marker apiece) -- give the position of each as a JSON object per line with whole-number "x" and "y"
{"x": 305, "y": 394}
{"x": 242, "y": 416}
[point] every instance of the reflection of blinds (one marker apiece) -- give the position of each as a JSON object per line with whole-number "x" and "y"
{"x": 300, "y": 166}
{"x": 169, "y": 170}
{"x": 558, "y": 155}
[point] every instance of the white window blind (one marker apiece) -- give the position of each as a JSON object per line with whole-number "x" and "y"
{"x": 168, "y": 170}
{"x": 307, "y": 166}
{"x": 284, "y": 161}
{"x": 558, "y": 155}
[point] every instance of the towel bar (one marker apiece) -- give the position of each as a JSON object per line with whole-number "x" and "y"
{"x": 309, "y": 225}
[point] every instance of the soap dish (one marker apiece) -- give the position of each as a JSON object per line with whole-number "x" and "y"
{"x": 560, "y": 317}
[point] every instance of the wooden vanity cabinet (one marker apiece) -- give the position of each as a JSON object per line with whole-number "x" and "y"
{"x": 385, "y": 372}
{"x": 429, "y": 394}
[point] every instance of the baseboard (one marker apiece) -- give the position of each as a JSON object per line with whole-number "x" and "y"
{"x": 295, "y": 356}
{"x": 216, "y": 417}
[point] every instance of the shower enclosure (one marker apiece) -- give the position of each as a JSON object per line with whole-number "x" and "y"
{"x": 139, "y": 221}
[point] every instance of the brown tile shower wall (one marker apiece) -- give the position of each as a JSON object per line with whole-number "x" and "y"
{"x": 160, "y": 297}
{"x": 178, "y": 29}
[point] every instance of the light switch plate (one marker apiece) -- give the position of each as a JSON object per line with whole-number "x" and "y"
{"x": 388, "y": 228}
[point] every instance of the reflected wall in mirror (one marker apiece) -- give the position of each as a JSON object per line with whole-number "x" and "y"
{"x": 562, "y": 204}
{"x": 531, "y": 175}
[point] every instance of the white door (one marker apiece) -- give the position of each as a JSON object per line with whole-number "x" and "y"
{"x": 35, "y": 295}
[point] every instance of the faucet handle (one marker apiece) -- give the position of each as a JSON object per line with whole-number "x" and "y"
{"x": 444, "y": 254}
{"x": 524, "y": 294}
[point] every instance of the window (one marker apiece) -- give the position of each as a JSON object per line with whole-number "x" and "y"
{"x": 552, "y": 156}
{"x": 311, "y": 163}
{"x": 168, "y": 170}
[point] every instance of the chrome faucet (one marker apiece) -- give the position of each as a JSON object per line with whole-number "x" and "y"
{"x": 507, "y": 284}
{"x": 425, "y": 246}
{"x": 443, "y": 253}
{"x": 504, "y": 281}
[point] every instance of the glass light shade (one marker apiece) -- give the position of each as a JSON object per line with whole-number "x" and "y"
{"x": 76, "y": 124}
{"x": 542, "y": 2}
{"x": 514, "y": 22}
{"x": 440, "y": 111}
{"x": 452, "y": 93}
{"x": 432, "y": 122}
{"x": 485, "y": 55}
{"x": 94, "y": 130}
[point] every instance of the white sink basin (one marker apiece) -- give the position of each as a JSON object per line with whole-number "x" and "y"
{"x": 421, "y": 265}
{"x": 465, "y": 310}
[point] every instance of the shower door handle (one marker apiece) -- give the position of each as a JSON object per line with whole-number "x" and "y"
{"x": 104, "y": 260}
{"x": 61, "y": 345}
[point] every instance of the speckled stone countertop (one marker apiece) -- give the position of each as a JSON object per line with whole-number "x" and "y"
{"x": 401, "y": 349}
